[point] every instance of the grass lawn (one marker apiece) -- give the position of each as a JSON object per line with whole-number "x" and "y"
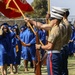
{"x": 71, "y": 67}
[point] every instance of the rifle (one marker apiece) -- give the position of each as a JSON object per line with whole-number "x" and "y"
{"x": 43, "y": 60}
{"x": 38, "y": 63}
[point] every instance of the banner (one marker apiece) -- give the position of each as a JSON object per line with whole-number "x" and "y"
{"x": 8, "y": 12}
{"x": 23, "y": 5}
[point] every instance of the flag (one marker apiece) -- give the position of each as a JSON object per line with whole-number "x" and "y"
{"x": 23, "y": 5}
{"x": 8, "y": 12}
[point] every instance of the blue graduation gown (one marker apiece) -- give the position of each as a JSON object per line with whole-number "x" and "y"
{"x": 3, "y": 54}
{"x": 10, "y": 50}
{"x": 28, "y": 38}
{"x": 15, "y": 42}
{"x": 42, "y": 37}
{"x": 72, "y": 44}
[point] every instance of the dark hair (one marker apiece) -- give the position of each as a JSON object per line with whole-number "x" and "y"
{"x": 4, "y": 33}
{"x": 59, "y": 20}
{"x": 52, "y": 18}
{"x": 67, "y": 13}
{"x": 7, "y": 29}
{"x": 17, "y": 31}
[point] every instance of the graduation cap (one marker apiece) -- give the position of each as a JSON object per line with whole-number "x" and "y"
{"x": 15, "y": 26}
{"x": 5, "y": 25}
{"x": 10, "y": 27}
{"x": 23, "y": 27}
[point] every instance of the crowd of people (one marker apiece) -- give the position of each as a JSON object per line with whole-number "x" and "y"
{"x": 17, "y": 43}
{"x": 12, "y": 47}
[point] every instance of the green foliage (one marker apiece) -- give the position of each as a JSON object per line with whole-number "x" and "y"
{"x": 40, "y": 8}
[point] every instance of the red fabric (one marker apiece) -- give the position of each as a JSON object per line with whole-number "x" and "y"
{"x": 51, "y": 70}
{"x": 26, "y": 7}
{"x": 7, "y": 12}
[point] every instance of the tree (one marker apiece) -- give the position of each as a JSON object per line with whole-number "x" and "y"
{"x": 40, "y": 8}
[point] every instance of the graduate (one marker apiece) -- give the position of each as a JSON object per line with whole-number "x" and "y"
{"x": 72, "y": 41}
{"x": 9, "y": 35}
{"x": 29, "y": 50}
{"x": 17, "y": 48}
{"x": 42, "y": 36}
{"x": 3, "y": 53}
{"x": 22, "y": 29}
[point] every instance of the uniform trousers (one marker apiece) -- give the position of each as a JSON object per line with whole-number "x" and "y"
{"x": 64, "y": 60}
{"x": 53, "y": 64}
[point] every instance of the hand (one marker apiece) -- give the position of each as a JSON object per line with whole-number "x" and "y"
{"x": 28, "y": 45}
{"x": 47, "y": 15}
{"x": 70, "y": 40}
{"x": 26, "y": 19}
{"x": 23, "y": 44}
{"x": 38, "y": 46}
{"x": 1, "y": 32}
{"x": 17, "y": 36}
{"x": 2, "y": 27}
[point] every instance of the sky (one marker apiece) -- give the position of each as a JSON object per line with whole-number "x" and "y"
{"x": 62, "y": 3}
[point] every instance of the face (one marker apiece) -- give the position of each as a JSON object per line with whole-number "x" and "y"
{"x": 27, "y": 25}
{"x": 54, "y": 21}
{"x": 14, "y": 30}
{"x": 47, "y": 16}
{"x": 5, "y": 29}
{"x": 22, "y": 29}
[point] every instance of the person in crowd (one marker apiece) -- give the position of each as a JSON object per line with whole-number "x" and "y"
{"x": 9, "y": 35}
{"x": 3, "y": 51}
{"x": 29, "y": 49}
{"x": 53, "y": 64}
{"x": 16, "y": 44}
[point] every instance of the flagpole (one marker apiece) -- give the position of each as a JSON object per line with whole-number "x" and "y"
{"x": 25, "y": 18}
{"x": 38, "y": 64}
{"x": 48, "y": 22}
{"x": 49, "y": 6}
{"x": 49, "y": 14}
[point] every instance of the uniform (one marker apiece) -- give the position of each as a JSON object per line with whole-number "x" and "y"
{"x": 62, "y": 53}
{"x": 65, "y": 47}
{"x": 65, "y": 39}
{"x": 53, "y": 57}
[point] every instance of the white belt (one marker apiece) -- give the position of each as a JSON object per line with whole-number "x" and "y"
{"x": 53, "y": 51}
